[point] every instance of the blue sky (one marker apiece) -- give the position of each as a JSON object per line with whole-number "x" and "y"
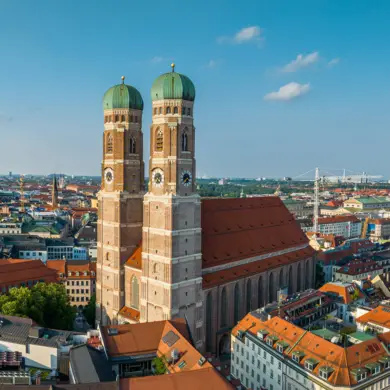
{"x": 282, "y": 86}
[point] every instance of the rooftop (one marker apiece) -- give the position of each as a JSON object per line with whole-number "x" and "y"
{"x": 379, "y": 316}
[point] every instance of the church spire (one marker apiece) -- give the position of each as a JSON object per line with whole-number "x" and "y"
{"x": 54, "y": 193}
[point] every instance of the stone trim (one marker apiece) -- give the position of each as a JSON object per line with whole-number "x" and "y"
{"x": 184, "y": 283}
{"x": 165, "y": 232}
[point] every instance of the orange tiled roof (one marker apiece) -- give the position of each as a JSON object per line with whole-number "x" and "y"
{"x": 135, "y": 260}
{"x": 380, "y": 316}
{"x": 189, "y": 380}
{"x": 235, "y": 229}
{"x": 347, "y": 291}
{"x": 58, "y": 265}
{"x": 130, "y": 313}
{"x": 341, "y": 360}
{"x": 73, "y": 266}
{"x": 221, "y": 277}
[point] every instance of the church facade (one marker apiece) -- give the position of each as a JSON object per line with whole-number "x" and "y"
{"x": 166, "y": 253}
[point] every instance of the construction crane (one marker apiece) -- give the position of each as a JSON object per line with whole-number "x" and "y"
{"x": 22, "y": 200}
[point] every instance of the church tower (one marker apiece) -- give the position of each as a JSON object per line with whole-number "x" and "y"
{"x": 54, "y": 193}
{"x": 120, "y": 198}
{"x": 171, "y": 239}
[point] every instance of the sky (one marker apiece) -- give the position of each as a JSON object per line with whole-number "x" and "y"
{"x": 282, "y": 86}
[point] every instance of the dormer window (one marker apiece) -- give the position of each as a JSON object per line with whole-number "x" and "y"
{"x": 261, "y": 334}
{"x": 385, "y": 360}
{"x": 281, "y": 346}
{"x": 77, "y": 273}
{"x": 85, "y": 273}
{"x": 325, "y": 372}
{"x": 297, "y": 356}
{"x": 374, "y": 368}
{"x": 271, "y": 340}
{"x": 69, "y": 273}
{"x": 92, "y": 273}
{"x": 310, "y": 364}
{"x": 360, "y": 374}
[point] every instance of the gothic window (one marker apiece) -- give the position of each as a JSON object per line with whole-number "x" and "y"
{"x": 184, "y": 141}
{"x": 236, "y": 303}
{"x": 123, "y": 118}
{"x": 134, "y": 293}
{"x": 175, "y": 110}
{"x": 188, "y": 111}
{"x": 160, "y": 110}
{"x": 107, "y": 256}
{"x": 223, "y": 307}
{"x": 260, "y": 292}
{"x": 271, "y": 288}
{"x": 155, "y": 111}
{"x": 299, "y": 287}
{"x": 131, "y": 118}
{"x": 290, "y": 281}
{"x": 116, "y": 118}
{"x": 281, "y": 279}
{"x": 136, "y": 119}
{"x": 209, "y": 319}
{"x": 159, "y": 140}
{"x": 109, "y": 144}
{"x": 132, "y": 146}
{"x": 168, "y": 110}
{"x": 248, "y": 296}
{"x": 307, "y": 274}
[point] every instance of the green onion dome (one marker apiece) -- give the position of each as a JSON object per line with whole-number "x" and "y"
{"x": 122, "y": 96}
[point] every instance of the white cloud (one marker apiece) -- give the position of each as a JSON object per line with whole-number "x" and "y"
{"x": 288, "y": 92}
{"x": 333, "y": 62}
{"x": 157, "y": 60}
{"x": 301, "y": 62}
{"x": 247, "y": 34}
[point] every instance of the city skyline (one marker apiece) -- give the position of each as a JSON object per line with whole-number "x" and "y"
{"x": 304, "y": 80}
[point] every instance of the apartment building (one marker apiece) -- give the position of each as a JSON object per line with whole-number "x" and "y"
{"x": 347, "y": 226}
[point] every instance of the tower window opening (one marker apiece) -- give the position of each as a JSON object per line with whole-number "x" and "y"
{"x": 123, "y": 118}
{"x": 183, "y": 110}
{"x": 189, "y": 111}
{"x": 160, "y": 110}
{"x": 168, "y": 110}
{"x": 106, "y": 119}
{"x": 159, "y": 140}
{"x": 136, "y": 119}
{"x": 175, "y": 110}
{"x": 184, "y": 141}
{"x": 116, "y": 118}
{"x": 155, "y": 111}
{"x": 109, "y": 144}
{"x": 131, "y": 118}
{"x": 132, "y": 146}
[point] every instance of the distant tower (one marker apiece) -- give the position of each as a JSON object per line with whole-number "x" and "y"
{"x": 171, "y": 243}
{"x": 54, "y": 193}
{"x": 120, "y": 197}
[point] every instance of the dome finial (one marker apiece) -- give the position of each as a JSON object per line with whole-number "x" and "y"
{"x": 173, "y": 66}
{"x": 123, "y": 79}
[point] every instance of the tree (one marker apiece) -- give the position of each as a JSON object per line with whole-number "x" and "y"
{"x": 90, "y": 311}
{"x": 45, "y": 303}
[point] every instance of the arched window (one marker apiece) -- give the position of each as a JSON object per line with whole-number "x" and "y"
{"x": 183, "y": 110}
{"x": 175, "y": 110}
{"x": 248, "y": 296}
{"x": 123, "y": 118}
{"x": 136, "y": 119}
{"x": 290, "y": 281}
{"x": 116, "y": 118}
{"x": 131, "y": 118}
{"x": 107, "y": 256}
{"x": 132, "y": 146}
{"x": 299, "y": 278}
{"x": 105, "y": 119}
{"x": 160, "y": 110}
{"x": 307, "y": 275}
{"x": 109, "y": 143}
{"x": 209, "y": 322}
{"x": 155, "y": 110}
{"x": 236, "y": 303}
{"x": 159, "y": 140}
{"x": 168, "y": 110}
{"x": 184, "y": 141}
{"x": 260, "y": 298}
{"x": 281, "y": 279}
{"x": 223, "y": 308}
{"x": 134, "y": 293}
{"x": 271, "y": 288}
{"x": 189, "y": 111}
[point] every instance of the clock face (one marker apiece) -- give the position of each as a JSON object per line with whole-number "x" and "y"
{"x": 108, "y": 175}
{"x": 158, "y": 177}
{"x": 186, "y": 178}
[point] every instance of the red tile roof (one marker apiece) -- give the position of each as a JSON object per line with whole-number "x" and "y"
{"x": 379, "y": 316}
{"x": 357, "y": 267}
{"x": 347, "y": 291}
{"x": 16, "y": 271}
{"x": 135, "y": 260}
{"x": 84, "y": 268}
{"x": 130, "y": 313}
{"x": 235, "y": 229}
{"x": 338, "y": 219}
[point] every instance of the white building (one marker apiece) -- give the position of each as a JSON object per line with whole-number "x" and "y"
{"x": 276, "y": 354}
{"x": 10, "y": 228}
{"x": 348, "y": 226}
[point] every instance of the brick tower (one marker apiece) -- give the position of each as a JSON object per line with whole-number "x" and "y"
{"x": 120, "y": 198}
{"x": 171, "y": 239}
